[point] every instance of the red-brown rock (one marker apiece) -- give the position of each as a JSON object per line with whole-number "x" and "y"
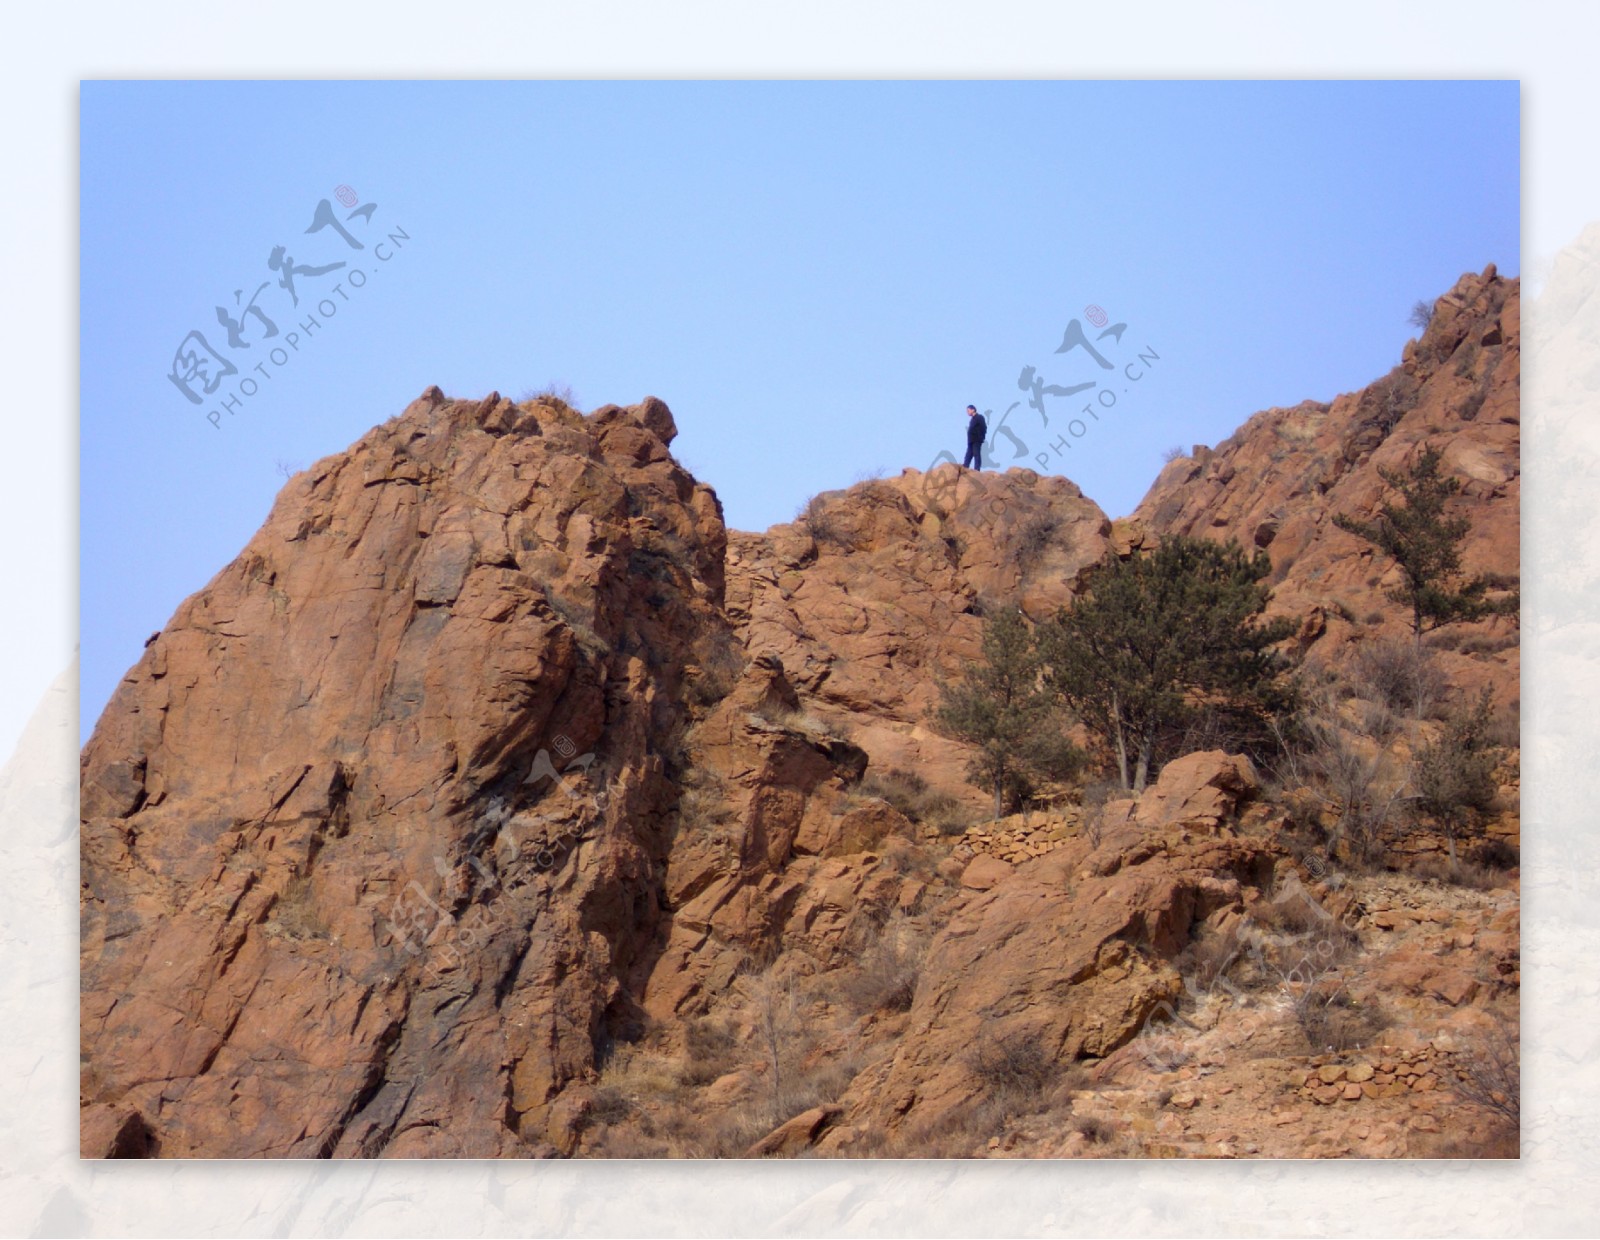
{"x": 335, "y": 901}
{"x": 1278, "y": 480}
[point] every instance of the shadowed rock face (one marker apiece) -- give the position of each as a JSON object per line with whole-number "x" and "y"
{"x": 1280, "y": 478}
{"x": 495, "y": 751}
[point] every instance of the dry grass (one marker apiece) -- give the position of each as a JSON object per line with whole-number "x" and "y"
{"x": 295, "y": 913}
{"x": 1469, "y": 874}
{"x": 1355, "y": 775}
{"x": 802, "y": 1058}
{"x": 703, "y": 799}
{"x": 734, "y": 1132}
{"x": 822, "y": 520}
{"x": 704, "y": 812}
{"x": 1292, "y": 945}
{"x": 1294, "y": 912}
{"x": 959, "y": 1133}
{"x": 904, "y": 857}
{"x": 1035, "y": 538}
{"x": 1455, "y": 771}
{"x": 1095, "y": 1130}
{"x": 905, "y": 790}
{"x": 1331, "y": 1020}
{"x": 770, "y": 1008}
{"x": 885, "y": 977}
{"x": 1496, "y": 854}
{"x": 823, "y": 1076}
{"x": 802, "y": 721}
{"x": 633, "y": 1084}
{"x": 1014, "y": 1069}
{"x": 1211, "y": 957}
{"x": 682, "y": 1131}
{"x": 610, "y": 1105}
{"x": 1491, "y": 1075}
{"x": 909, "y": 793}
{"x": 1469, "y": 643}
{"x": 1398, "y": 673}
{"x": 1505, "y": 729}
{"x": 1020, "y": 1080}
{"x": 648, "y": 1102}
{"x": 711, "y": 1046}
{"x": 554, "y": 392}
{"x": 719, "y": 662}
{"x": 577, "y": 619}
{"x": 1499, "y": 1140}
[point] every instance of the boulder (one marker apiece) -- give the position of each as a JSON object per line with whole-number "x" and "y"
{"x": 796, "y": 1135}
{"x": 1070, "y": 964}
{"x": 984, "y": 871}
{"x": 873, "y": 595}
{"x": 1200, "y": 790}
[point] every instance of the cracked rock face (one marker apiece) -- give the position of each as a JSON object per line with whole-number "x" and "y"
{"x": 372, "y": 833}
{"x": 426, "y": 798}
{"x": 878, "y": 592}
{"x": 494, "y": 757}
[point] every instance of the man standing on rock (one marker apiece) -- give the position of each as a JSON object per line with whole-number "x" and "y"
{"x": 977, "y": 432}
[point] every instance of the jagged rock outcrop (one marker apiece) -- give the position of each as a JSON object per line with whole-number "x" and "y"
{"x": 495, "y": 763}
{"x": 433, "y": 793}
{"x": 1278, "y": 482}
{"x": 878, "y": 592}
{"x": 372, "y": 831}
{"x": 747, "y": 876}
{"x": 1279, "y": 479}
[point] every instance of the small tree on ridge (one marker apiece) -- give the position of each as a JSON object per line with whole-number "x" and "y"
{"x": 1426, "y": 545}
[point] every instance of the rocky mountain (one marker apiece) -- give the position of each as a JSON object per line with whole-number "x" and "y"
{"x": 328, "y": 760}
{"x": 1278, "y": 481}
{"x": 497, "y": 800}
{"x": 877, "y": 593}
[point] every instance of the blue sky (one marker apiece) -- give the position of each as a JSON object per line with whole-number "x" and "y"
{"x": 817, "y": 277}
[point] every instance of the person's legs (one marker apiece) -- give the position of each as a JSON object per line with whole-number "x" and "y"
{"x": 974, "y": 456}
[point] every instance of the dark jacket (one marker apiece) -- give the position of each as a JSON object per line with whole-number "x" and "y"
{"x": 977, "y": 429}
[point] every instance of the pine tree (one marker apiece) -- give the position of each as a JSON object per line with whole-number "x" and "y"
{"x": 1001, "y": 707}
{"x": 1165, "y": 640}
{"x": 1426, "y": 545}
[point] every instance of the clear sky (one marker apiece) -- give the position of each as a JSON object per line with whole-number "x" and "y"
{"x": 817, "y": 277}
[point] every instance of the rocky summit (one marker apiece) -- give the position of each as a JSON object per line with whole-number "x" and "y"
{"x": 498, "y": 801}
{"x": 1277, "y": 482}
